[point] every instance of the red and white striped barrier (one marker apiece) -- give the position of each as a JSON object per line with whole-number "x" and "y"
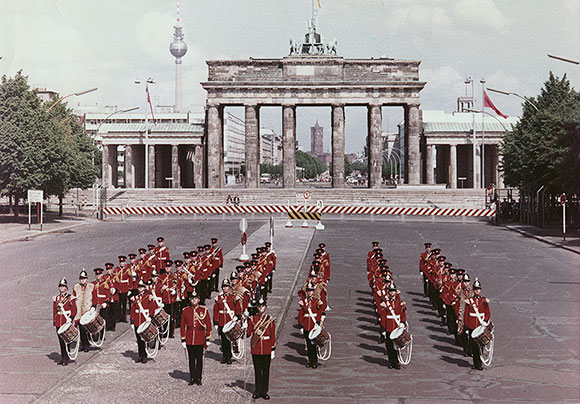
{"x": 346, "y": 210}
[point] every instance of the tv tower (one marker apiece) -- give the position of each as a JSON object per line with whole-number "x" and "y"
{"x": 178, "y": 49}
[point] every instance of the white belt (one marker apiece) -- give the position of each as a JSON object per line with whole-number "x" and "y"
{"x": 308, "y": 315}
{"x": 397, "y": 318}
{"x": 101, "y": 295}
{"x": 265, "y": 338}
{"x": 224, "y": 312}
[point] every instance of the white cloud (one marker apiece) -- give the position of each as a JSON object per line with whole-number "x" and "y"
{"x": 153, "y": 33}
{"x": 480, "y": 12}
{"x": 416, "y": 16}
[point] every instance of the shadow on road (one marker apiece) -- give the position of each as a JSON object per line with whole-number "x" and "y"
{"x": 435, "y": 329}
{"x": 367, "y": 312}
{"x": 449, "y": 349}
{"x": 375, "y": 360}
{"x": 55, "y": 356}
{"x": 298, "y": 347}
{"x": 367, "y": 328}
{"x": 370, "y": 337}
{"x": 179, "y": 375}
{"x": 131, "y": 355}
{"x": 296, "y": 359}
{"x": 240, "y": 384}
{"x": 375, "y": 348}
{"x": 367, "y": 319}
{"x": 459, "y": 362}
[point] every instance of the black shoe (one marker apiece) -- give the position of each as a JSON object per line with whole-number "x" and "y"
{"x": 223, "y": 361}
{"x": 198, "y": 382}
{"x": 190, "y": 383}
{"x": 255, "y": 396}
{"x": 60, "y": 363}
{"x": 64, "y": 363}
{"x": 397, "y": 366}
{"x": 308, "y": 365}
{"x": 86, "y": 349}
{"x": 315, "y": 366}
{"x": 144, "y": 360}
{"x": 229, "y": 362}
{"x": 381, "y": 340}
{"x": 266, "y": 397}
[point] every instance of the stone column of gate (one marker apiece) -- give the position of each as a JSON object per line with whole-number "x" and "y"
{"x": 214, "y": 141}
{"x": 429, "y": 165}
{"x": 452, "y": 166}
{"x": 175, "y": 171}
{"x": 375, "y": 121}
{"x": 289, "y": 145}
{"x": 338, "y": 146}
{"x": 252, "y": 147}
{"x": 106, "y": 168}
{"x": 151, "y": 162}
{"x": 198, "y": 167}
{"x": 414, "y": 153}
{"x": 114, "y": 163}
{"x": 129, "y": 167}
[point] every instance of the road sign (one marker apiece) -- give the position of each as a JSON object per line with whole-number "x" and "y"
{"x": 243, "y": 225}
{"x": 319, "y": 204}
{"x": 35, "y": 196}
{"x": 306, "y": 194}
{"x": 563, "y": 199}
{"x": 244, "y": 238}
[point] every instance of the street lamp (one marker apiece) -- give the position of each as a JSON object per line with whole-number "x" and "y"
{"x": 122, "y": 111}
{"x": 482, "y": 81}
{"x": 147, "y": 82}
{"x": 468, "y": 81}
{"x": 575, "y": 62}
{"x": 70, "y": 95}
{"x": 516, "y": 94}
{"x": 477, "y": 111}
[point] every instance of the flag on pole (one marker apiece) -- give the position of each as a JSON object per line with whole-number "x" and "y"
{"x": 487, "y": 103}
{"x": 150, "y": 105}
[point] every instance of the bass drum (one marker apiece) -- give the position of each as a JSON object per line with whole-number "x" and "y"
{"x": 68, "y": 332}
{"x": 93, "y": 322}
{"x": 147, "y": 331}
{"x": 318, "y": 336}
{"x": 400, "y": 336}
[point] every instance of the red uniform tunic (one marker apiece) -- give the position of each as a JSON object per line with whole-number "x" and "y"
{"x": 113, "y": 287}
{"x": 101, "y": 292}
{"x": 307, "y": 319}
{"x": 168, "y": 287}
{"x": 393, "y": 313}
{"x": 140, "y": 313}
{"x": 422, "y": 261}
{"x": 195, "y": 325}
{"x": 63, "y": 307}
{"x": 262, "y": 343}
{"x": 476, "y": 312}
{"x": 162, "y": 255}
{"x": 124, "y": 276}
{"x": 325, "y": 259}
{"x": 225, "y": 309}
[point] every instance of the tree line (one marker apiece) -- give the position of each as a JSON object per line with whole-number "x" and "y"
{"x": 41, "y": 149}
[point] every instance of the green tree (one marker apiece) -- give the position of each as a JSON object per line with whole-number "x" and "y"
{"x": 542, "y": 149}
{"x": 312, "y": 165}
{"x": 347, "y": 166}
{"x": 360, "y": 166}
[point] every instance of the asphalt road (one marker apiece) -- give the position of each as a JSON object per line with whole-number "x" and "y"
{"x": 534, "y": 290}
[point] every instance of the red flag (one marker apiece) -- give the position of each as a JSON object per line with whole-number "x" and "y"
{"x": 487, "y": 103}
{"x": 150, "y": 105}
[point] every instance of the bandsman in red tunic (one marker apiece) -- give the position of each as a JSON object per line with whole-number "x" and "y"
{"x": 143, "y": 305}
{"x": 262, "y": 334}
{"x": 64, "y": 310}
{"x": 272, "y": 258}
{"x": 477, "y": 313}
{"x": 311, "y": 312}
{"x": 161, "y": 253}
{"x": 168, "y": 284}
{"x": 324, "y": 261}
{"x": 123, "y": 273}
{"x": 217, "y": 264}
{"x": 225, "y": 309}
{"x": 101, "y": 296}
{"x": 195, "y": 333}
{"x": 113, "y": 281}
{"x": 422, "y": 261}
{"x": 393, "y": 315}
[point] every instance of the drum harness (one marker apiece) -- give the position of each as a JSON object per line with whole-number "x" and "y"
{"x": 153, "y": 354}
{"x": 163, "y": 336}
{"x": 398, "y": 321}
{"x": 326, "y": 355}
{"x": 487, "y": 351}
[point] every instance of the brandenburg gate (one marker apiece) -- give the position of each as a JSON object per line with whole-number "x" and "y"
{"x": 312, "y": 75}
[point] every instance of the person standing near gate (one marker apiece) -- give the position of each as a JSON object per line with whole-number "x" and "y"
{"x": 262, "y": 334}
{"x": 195, "y": 333}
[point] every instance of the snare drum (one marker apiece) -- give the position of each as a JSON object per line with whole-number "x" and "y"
{"x": 68, "y": 332}
{"x": 482, "y": 335}
{"x": 232, "y": 330}
{"x": 159, "y": 318}
{"x": 400, "y": 336}
{"x": 318, "y": 336}
{"x": 147, "y": 331}
{"x": 93, "y": 322}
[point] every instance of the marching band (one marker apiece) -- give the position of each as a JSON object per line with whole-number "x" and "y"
{"x": 159, "y": 294}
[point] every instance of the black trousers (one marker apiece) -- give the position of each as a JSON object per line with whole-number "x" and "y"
{"x": 195, "y": 356}
{"x": 226, "y": 345}
{"x": 140, "y": 345}
{"x": 122, "y": 307}
{"x": 172, "y": 309}
{"x": 475, "y": 350}
{"x": 311, "y": 348}
{"x": 464, "y": 341}
{"x": 204, "y": 291}
{"x": 112, "y": 315}
{"x": 261, "y": 373}
{"x": 63, "y": 353}
{"x": 84, "y": 336}
{"x": 269, "y": 281}
{"x": 425, "y": 286}
{"x": 391, "y": 351}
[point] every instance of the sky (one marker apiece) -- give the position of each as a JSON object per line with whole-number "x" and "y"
{"x": 73, "y": 45}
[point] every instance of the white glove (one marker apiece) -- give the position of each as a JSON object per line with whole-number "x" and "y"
{"x": 216, "y": 327}
{"x": 183, "y": 345}
{"x": 133, "y": 327}
{"x": 113, "y": 290}
{"x": 93, "y": 309}
{"x": 302, "y": 331}
{"x": 104, "y": 305}
{"x": 69, "y": 320}
{"x": 244, "y": 325}
{"x": 173, "y": 291}
{"x": 208, "y": 343}
{"x": 246, "y": 313}
{"x": 273, "y": 354}
{"x": 133, "y": 274}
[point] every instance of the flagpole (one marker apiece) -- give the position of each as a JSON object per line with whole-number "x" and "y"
{"x": 482, "y": 81}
